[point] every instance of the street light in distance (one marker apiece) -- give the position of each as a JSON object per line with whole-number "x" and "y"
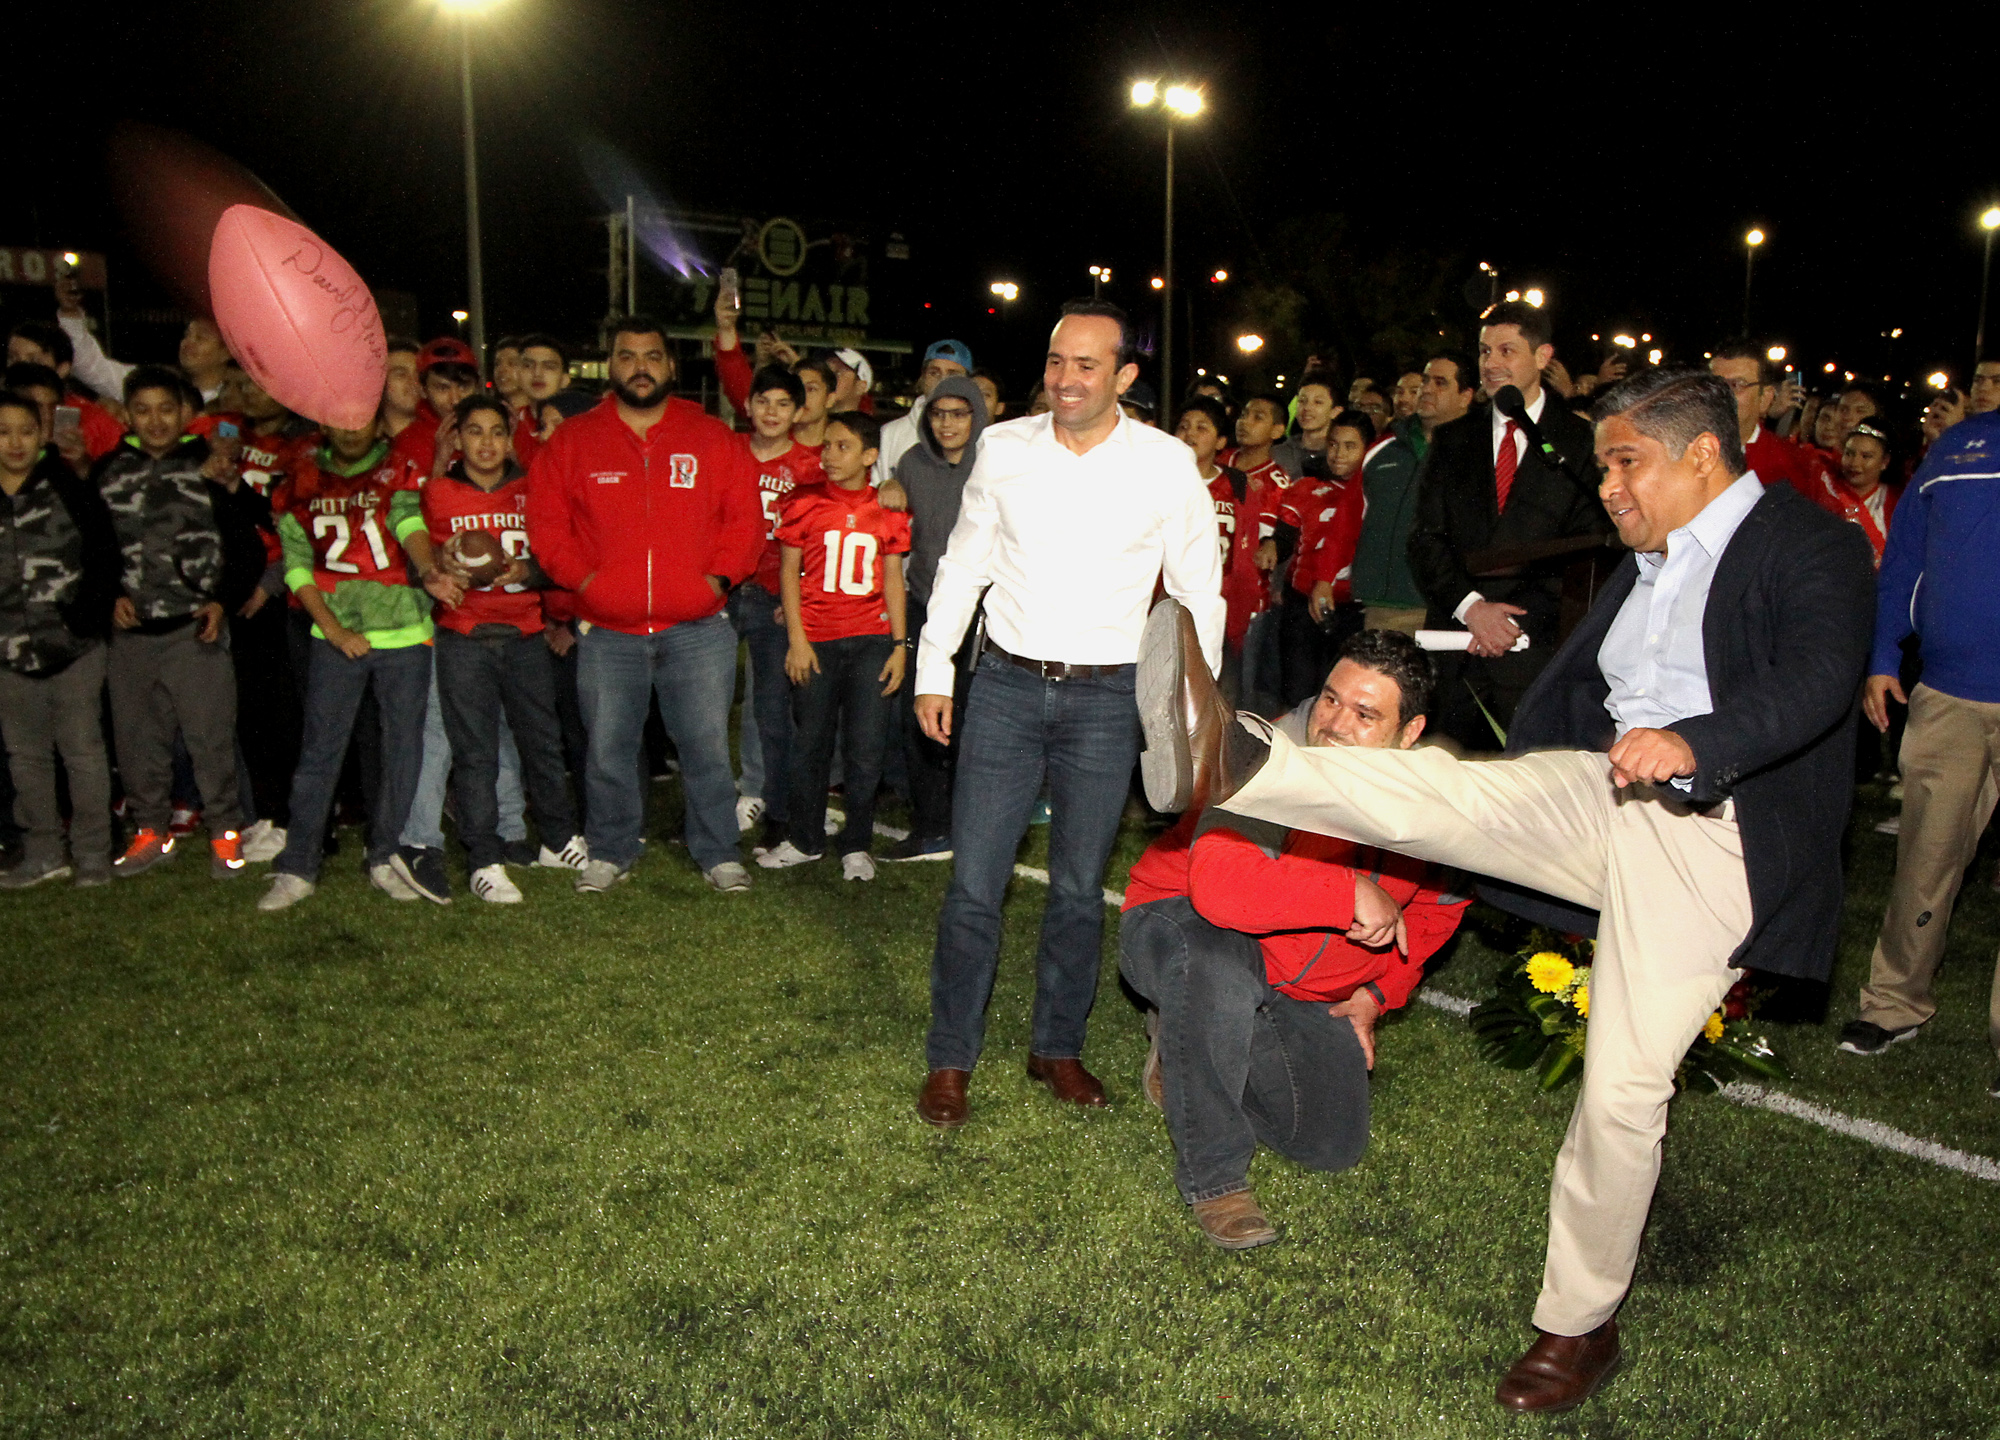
{"x": 1005, "y": 289}
{"x": 1218, "y": 277}
{"x": 1179, "y": 101}
{"x": 1534, "y": 297}
{"x": 1249, "y": 344}
{"x": 1775, "y": 353}
{"x": 1938, "y": 380}
{"x": 1158, "y": 283}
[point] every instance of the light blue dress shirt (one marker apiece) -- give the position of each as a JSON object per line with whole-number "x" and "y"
{"x": 1652, "y": 657}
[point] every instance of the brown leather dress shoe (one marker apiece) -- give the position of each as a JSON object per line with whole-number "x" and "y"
{"x": 1560, "y": 1372}
{"x": 942, "y": 1100}
{"x": 1192, "y": 759}
{"x": 1234, "y": 1221}
{"x": 1067, "y": 1080}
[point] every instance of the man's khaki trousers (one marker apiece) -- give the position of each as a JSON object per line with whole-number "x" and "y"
{"x": 1670, "y": 887}
{"x": 1951, "y": 751}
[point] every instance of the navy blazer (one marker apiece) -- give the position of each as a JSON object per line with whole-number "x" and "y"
{"x": 1785, "y": 636}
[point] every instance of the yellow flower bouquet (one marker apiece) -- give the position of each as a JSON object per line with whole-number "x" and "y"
{"x": 1539, "y": 1018}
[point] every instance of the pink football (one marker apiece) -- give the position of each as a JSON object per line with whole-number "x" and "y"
{"x": 297, "y": 317}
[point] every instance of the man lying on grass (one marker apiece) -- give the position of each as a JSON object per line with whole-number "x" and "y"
{"x": 1269, "y": 953}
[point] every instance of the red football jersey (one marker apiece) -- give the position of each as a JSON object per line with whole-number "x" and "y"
{"x": 843, "y": 536}
{"x": 347, "y": 519}
{"x": 1310, "y": 505}
{"x": 1222, "y": 490}
{"x": 268, "y": 459}
{"x": 453, "y": 504}
{"x": 797, "y": 468}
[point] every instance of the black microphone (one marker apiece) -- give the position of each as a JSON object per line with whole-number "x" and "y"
{"x": 1508, "y": 401}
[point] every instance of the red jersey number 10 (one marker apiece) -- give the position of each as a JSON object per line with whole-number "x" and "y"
{"x": 850, "y": 562}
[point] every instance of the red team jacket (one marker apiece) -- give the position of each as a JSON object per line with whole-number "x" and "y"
{"x": 841, "y": 536}
{"x": 644, "y": 523}
{"x": 1300, "y": 904}
{"x": 777, "y": 480}
{"x": 453, "y": 504}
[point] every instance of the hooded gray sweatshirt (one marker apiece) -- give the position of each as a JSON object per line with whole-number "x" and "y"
{"x": 935, "y": 485}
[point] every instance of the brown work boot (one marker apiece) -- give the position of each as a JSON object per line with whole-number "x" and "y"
{"x": 1234, "y": 1221}
{"x": 1151, "y": 1083}
{"x": 1560, "y": 1372}
{"x": 942, "y": 1100}
{"x": 1068, "y": 1081}
{"x": 1193, "y": 757}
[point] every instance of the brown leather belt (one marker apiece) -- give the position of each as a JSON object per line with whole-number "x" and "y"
{"x": 1054, "y": 669}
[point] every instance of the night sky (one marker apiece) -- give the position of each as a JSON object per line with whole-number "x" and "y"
{"x": 1616, "y": 166}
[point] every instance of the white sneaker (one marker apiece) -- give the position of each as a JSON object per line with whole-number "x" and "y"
{"x": 597, "y": 876}
{"x": 490, "y": 883}
{"x": 749, "y": 810}
{"x": 384, "y": 878}
{"x": 857, "y": 865}
{"x": 729, "y": 877}
{"x": 1892, "y": 826}
{"x": 573, "y": 856}
{"x": 263, "y": 842}
{"x": 784, "y": 857}
{"x": 286, "y": 891}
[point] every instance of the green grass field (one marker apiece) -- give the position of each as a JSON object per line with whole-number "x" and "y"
{"x": 645, "y": 1164}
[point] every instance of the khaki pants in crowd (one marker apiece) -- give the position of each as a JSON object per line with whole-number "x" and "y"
{"x": 1951, "y": 750}
{"x": 1675, "y": 905}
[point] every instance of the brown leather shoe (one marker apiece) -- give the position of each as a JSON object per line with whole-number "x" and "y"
{"x": 1560, "y": 1372}
{"x": 1067, "y": 1080}
{"x": 1151, "y": 1083}
{"x": 1191, "y": 759}
{"x": 942, "y": 1100}
{"x": 1235, "y": 1221}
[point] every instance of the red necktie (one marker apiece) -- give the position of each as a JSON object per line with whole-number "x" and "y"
{"x": 1504, "y": 466}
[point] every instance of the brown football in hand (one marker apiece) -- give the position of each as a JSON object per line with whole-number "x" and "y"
{"x": 480, "y": 554}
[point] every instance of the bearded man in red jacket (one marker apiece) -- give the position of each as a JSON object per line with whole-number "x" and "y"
{"x": 1268, "y": 955}
{"x": 647, "y": 509}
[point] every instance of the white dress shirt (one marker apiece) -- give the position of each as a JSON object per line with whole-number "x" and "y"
{"x": 1652, "y": 657}
{"x": 1500, "y": 424}
{"x": 1071, "y": 546}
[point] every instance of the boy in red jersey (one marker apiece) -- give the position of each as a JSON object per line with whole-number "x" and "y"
{"x": 446, "y": 374}
{"x": 843, "y": 586}
{"x": 783, "y": 467}
{"x": 1311, "y": 626}
{"x": 490, "y": 654}
{"x": 350, "y": 523}
{"x": 1201, "y": 426}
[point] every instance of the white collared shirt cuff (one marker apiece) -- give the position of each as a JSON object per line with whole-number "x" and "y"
{"x": 1472, "y": 598}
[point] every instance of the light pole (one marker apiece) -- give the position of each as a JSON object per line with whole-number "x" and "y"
{"x": 1100, "y": 276}
{"x": 1182, "y": 102}
{"x": 1989, "y": 222}
{"x": 1750, "y": 243}
{"x": 463, "y": 12}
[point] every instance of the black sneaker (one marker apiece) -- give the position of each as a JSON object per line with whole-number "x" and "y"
{"x": 422, "y": 869}
{"x": 920, "y": 847}
{"x": 1865, "y": 1037}
{"x": 519, "y": 852}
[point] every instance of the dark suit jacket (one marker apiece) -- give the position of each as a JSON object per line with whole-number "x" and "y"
{"x": 1458, "y": 512}
{"x": 1786, "y": 638}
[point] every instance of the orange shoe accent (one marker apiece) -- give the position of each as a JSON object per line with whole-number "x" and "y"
{"x": 145, "y": 838}
{"x": 227, "y": 847}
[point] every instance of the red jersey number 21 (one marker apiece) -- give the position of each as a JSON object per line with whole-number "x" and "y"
{"x": 850, "y": 562}
{"x": 336, "y": 526}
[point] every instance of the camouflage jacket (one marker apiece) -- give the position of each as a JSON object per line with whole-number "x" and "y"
{"x": 169, "y": 535}
{"x": 58, "y": 569}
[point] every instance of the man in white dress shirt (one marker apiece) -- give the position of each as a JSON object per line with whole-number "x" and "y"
{"x": 1069, "y": 518}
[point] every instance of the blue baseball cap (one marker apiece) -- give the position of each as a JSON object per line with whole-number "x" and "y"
{"x": 954, "y": 350}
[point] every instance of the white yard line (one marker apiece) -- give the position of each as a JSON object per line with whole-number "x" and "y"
{"x": 1740, "y": 1092}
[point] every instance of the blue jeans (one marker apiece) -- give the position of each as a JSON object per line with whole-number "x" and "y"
{"x": 335, "y": 686}
{"x": 692, "y": 669}
{"x": 844, "y": 697}
{"x": 769, "y": 697}
{"x": 425, "y": 827}
{"x": 1082, "y": 736}
{"x": 1241, "y": 1061}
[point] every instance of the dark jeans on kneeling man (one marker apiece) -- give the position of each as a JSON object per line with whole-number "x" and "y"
{"x": 1082, "y": 736}
{"x": 1241, "y": 1062}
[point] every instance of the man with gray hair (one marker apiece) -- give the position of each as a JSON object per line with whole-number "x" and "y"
{"x": 1681, "y": 768}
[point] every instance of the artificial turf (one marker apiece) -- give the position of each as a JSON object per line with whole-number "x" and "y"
{"x": 644, "y": 1164}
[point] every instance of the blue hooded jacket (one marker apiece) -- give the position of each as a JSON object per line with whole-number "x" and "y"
{"x": 1941, "y": 569}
